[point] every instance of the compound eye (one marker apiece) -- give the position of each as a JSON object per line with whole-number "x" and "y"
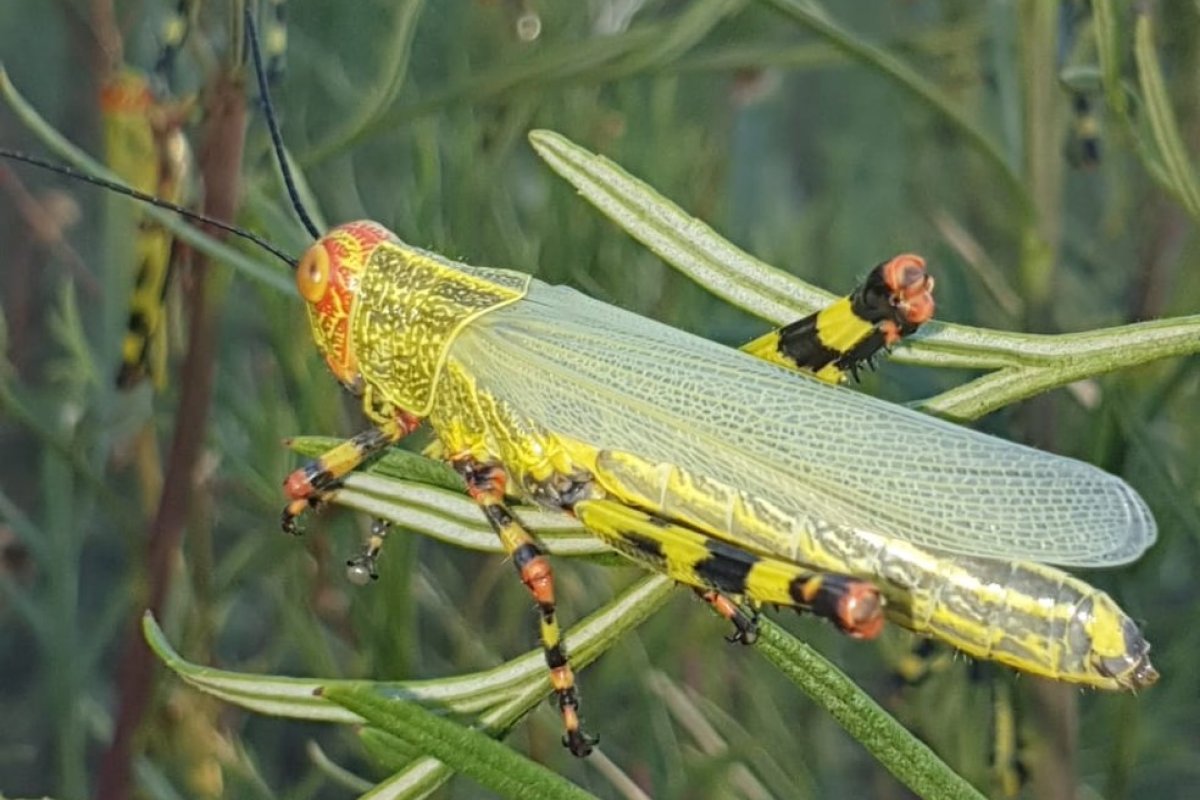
{"x": 905, "y": 273}
{"x": 312, "y": 274}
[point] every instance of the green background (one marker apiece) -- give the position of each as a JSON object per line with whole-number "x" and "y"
{"x": 813, "y": 157}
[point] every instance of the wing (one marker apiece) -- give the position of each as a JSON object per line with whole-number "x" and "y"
{"x": 619, "y": 381}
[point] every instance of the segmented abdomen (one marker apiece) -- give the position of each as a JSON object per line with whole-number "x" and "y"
{"x": 1027, "y": 615}
{"x": 1023, "y": 614}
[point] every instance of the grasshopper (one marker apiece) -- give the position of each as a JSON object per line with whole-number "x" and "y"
{"x": 145, "y": 145}
{"x": 728, "y": 473}
{"x": 723, "y": 469}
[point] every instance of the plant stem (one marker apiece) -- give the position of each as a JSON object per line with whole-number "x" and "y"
{"x": 220, "y": 164}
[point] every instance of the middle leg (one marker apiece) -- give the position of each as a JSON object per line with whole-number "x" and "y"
{"x": 485, "y": 485}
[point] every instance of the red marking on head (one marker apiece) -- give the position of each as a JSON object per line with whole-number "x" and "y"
{"x": 912, "y": 290}
{"x": 328, "y": 278}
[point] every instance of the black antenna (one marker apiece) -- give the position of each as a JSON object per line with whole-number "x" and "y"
{"x": 121, "y": 188}
{"x": 273, "y": 125}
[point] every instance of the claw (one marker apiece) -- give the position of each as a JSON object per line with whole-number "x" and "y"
{"x": 289, "y": 520}
{"x": 360, "y": 570}
{"x": 745, "y": 629}
{"x": 579, "y": 743}
{"x": 745, "y": 625}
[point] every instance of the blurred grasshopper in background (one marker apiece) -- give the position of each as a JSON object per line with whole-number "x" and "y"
{"x": 144, "y": 144}
{"x": 726, "y": 472}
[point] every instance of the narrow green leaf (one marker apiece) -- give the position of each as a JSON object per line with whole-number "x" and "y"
{"x": 1179, "y": 173}
{"x": 427, "y": 496}
{"x": 1118, "y": 94}
{"x": 1108, "y": 52}
{"x": 468, "y": 751}
{"x": 502, "y": 696}
{"x": 1082, "y": 355}
{"x": 1027, "y": 364}
{"x": 472, "y": 693}
{"x": 1043, "y": 161}
{"x": 423, "y": 775}
{"x": 273, "y": 695}
{"x": 571, "y": 60}
{"x": 335, "y": 772}
{"x": 902, "y": 753}
{"x": 390, "y": 752}
{"x": 696, "y": 250}
{"x": 686, "y": 30}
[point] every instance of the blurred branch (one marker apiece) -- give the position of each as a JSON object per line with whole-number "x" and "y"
{"x": 220, "y": 162}
{"x": 595, "y": 59}
{"x": 377, "y": 96}
{"x": 108, "y": 36}
{"x": 1180, "y": 178}
{"x": 1037, "y": 39}
{"x": 1162, "y": 154}
{"x": 685, "y": 31}
{"x": 937, "y": 41}
{"x": 812, "y": 16}
{"x": 976, "y": 258}
{"x": 14, "y": 409}
{"x": 48, "y": 219}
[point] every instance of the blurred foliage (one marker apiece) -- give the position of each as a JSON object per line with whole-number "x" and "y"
{"x": 793, "y": 133}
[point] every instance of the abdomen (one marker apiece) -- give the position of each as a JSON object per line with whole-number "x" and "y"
{"x": 1030, "y": 616}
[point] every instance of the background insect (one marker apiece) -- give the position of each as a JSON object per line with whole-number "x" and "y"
{"x": 843, "y": 221}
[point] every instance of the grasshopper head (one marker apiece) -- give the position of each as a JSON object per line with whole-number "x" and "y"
{"x": 328, "y": 279}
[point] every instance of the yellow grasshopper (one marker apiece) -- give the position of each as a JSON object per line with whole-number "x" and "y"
{"x": 726, "y": 472}
{"x": 729, "y": 473}
{"x": 144, "y": 144}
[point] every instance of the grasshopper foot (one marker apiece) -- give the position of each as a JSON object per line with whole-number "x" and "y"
{"x": 307, "y": 488}
{"x": 293, "y": 512}
{"x": 579, "y": 743}
{"x": 745, "y": 625}
{"x": 574, "y": 739}
{"x": 361, "y": 570}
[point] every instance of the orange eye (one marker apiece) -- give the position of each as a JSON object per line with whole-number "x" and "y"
{"x": 312, "y": 274}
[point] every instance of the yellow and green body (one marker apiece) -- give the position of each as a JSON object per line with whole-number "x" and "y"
{"x": 634, "y": 426}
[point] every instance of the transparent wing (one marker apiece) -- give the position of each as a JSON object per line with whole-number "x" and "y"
{"x": 617, "y": 380}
